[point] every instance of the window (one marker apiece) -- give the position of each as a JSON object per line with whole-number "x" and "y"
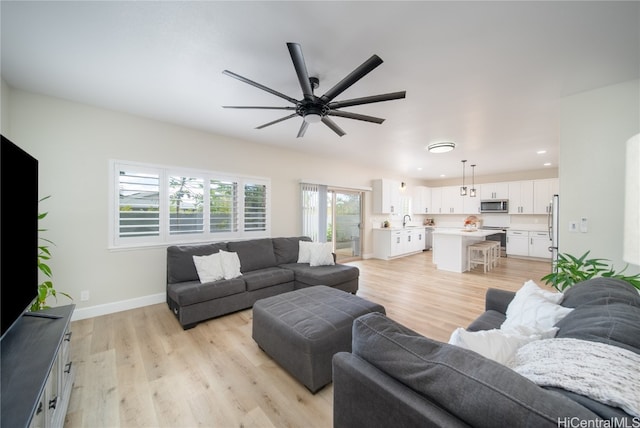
{"x": 155, "y": 205}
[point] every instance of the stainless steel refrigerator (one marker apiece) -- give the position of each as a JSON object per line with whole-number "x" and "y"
{"x": 554, "y": 230}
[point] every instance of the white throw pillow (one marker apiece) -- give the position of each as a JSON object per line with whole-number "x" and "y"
{"x": 321, "y": 254}
{"x": 230, "y": 264}
{"x": 208, "y": 267}
{"x": 498, "y": 345}
{"x": 304, "y": 251}
{"x": 535, "y": 308}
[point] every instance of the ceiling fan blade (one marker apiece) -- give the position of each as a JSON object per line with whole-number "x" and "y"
{"x": 262, "y": 107}
{"x": 277, "y": 121}
{"x": 368, "y": 100}
{"x": 301, "y": 70}
{"x": 356, "y": 116}
{"x": 331, "y": 124}
{"x": 259, "y": 86}
{"x": 352, "y": 78}
{"x": 303, "y": 129}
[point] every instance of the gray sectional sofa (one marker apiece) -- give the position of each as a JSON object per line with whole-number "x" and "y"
{"x": 397, "y": 377}
{"x": 269, "y": 267}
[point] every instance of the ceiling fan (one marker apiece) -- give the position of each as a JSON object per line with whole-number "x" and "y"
{"x": 314, "y": 109}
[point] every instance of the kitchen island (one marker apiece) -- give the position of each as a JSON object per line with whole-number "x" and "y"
{"x": 450, "y": 247}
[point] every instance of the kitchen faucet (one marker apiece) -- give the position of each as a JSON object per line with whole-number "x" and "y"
{"x": 404, "y": 223}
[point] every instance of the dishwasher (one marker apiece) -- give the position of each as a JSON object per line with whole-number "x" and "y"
{"x": 428, "y": 238}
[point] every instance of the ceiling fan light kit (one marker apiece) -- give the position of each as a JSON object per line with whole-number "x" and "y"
{"x": 314, "y": 109}
{"x": 441, "y": 147}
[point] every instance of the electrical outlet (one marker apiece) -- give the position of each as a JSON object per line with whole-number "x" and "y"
{"x": 84, "y": 295}
{"x": 573, "y": 226}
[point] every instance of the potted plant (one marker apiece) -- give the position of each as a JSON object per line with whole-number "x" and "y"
{"x": 45, "y": 289}
{"x": 570, "y": 270}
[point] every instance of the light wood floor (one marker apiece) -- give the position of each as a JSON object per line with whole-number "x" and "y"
{"x": 138, "y": 368}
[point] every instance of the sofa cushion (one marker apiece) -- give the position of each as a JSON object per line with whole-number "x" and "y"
{"x": 268, "y": 277}
{"x": 180, "y": 266}
{"x": 322, "y": 275}
{"x": 479, "y": 391}
{"x": 614, "y": 324}
{"x": 254, "y": 254}
{"x": 191, "y": 292}
{"x": 606, "y": 310}
{"x": 487, "y": 320}
{"x": 286, "y": 249}
{"x": 598, "y": 291}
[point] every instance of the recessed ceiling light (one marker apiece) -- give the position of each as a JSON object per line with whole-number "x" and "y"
{"x": 419, "y": 169}
{"x": 547, "y": 164}
{"x": 442, "y": 175}
{"x": 541, "y": 152}
{"x": 441, "y": 147}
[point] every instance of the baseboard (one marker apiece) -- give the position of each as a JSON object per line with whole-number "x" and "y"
{"x": 123, "y": 305}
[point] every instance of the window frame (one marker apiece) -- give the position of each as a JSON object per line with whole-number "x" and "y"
{"x": 164, "y": 237}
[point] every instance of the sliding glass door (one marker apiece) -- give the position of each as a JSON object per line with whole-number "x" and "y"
{"x": 344, "y": 218}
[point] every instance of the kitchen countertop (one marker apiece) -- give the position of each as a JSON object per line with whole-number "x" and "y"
{"x": 479, "y": 233}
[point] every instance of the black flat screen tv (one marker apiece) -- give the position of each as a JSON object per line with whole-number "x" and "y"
{"x": 18, "y": 232}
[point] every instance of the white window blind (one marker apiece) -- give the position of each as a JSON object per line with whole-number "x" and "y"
{"x": 156, "y": 205}
{"x": 138, "y": 203}
{"x": 223, "y": 206}
{"x": 314, "y": 211}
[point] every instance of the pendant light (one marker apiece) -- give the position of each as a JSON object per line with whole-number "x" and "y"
{"x": 472, "y": 192}
{"x": 463, "y": 189}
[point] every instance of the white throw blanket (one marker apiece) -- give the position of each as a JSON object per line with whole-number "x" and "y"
{"x": 604, "y": 373}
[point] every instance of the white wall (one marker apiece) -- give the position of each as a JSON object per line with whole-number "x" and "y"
{"x": 594, "y": 129}
{"x": 73, "y": 144}
{"x": 4, "y": 108}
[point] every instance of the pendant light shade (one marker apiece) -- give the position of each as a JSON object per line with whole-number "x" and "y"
{"x": 472, "y": 192}
{"x": 463, "y": 188}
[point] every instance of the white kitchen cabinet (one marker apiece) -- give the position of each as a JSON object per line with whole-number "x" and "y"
{"x": 396, "y": 244}
{"x": 436, "y": 200}
{"x": 517, "y": 243}
{"x": 471, "y": 205}
{"x": 543, "y": 191}
{"x": 521, "y": 197}
{"x": 422, "y": 200}
{"x": 451, "y": 200}
{"x": 539, "y": 244}
{"x": 494, "y": 191}
{"x": 386, "y": 196}
{"x": 389, "y": 243}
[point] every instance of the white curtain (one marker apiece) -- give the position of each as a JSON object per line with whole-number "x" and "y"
{"x": 314, "y": 211}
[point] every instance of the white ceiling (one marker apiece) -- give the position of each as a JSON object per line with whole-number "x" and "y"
{"x": 487, "y": 75}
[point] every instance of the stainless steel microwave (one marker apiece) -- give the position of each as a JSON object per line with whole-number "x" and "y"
{"x": 494, "y": 206}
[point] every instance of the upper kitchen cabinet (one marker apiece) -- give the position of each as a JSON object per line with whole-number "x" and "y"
{"x": 521, "y": 197}
{"x": 422, "y": 200}
{"x": 451, "y": 200}
{"x": 436, "y": 200}
{"x": 386, "y": 196}
{"x": 543, "y": 191}
{"x": 494, "y": 191}
{"x": 472, "y": 205}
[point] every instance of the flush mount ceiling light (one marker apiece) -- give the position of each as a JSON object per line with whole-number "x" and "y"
{"x": 442, "y": 147}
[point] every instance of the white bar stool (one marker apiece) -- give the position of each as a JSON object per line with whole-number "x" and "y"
{"x": 479, "y": 254}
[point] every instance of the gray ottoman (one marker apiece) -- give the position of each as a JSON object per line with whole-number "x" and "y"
{"x": 302, "y": 329}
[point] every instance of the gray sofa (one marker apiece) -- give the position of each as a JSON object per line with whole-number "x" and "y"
{"x": 269, "y": 267}
{"x": 397, "y": 377}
